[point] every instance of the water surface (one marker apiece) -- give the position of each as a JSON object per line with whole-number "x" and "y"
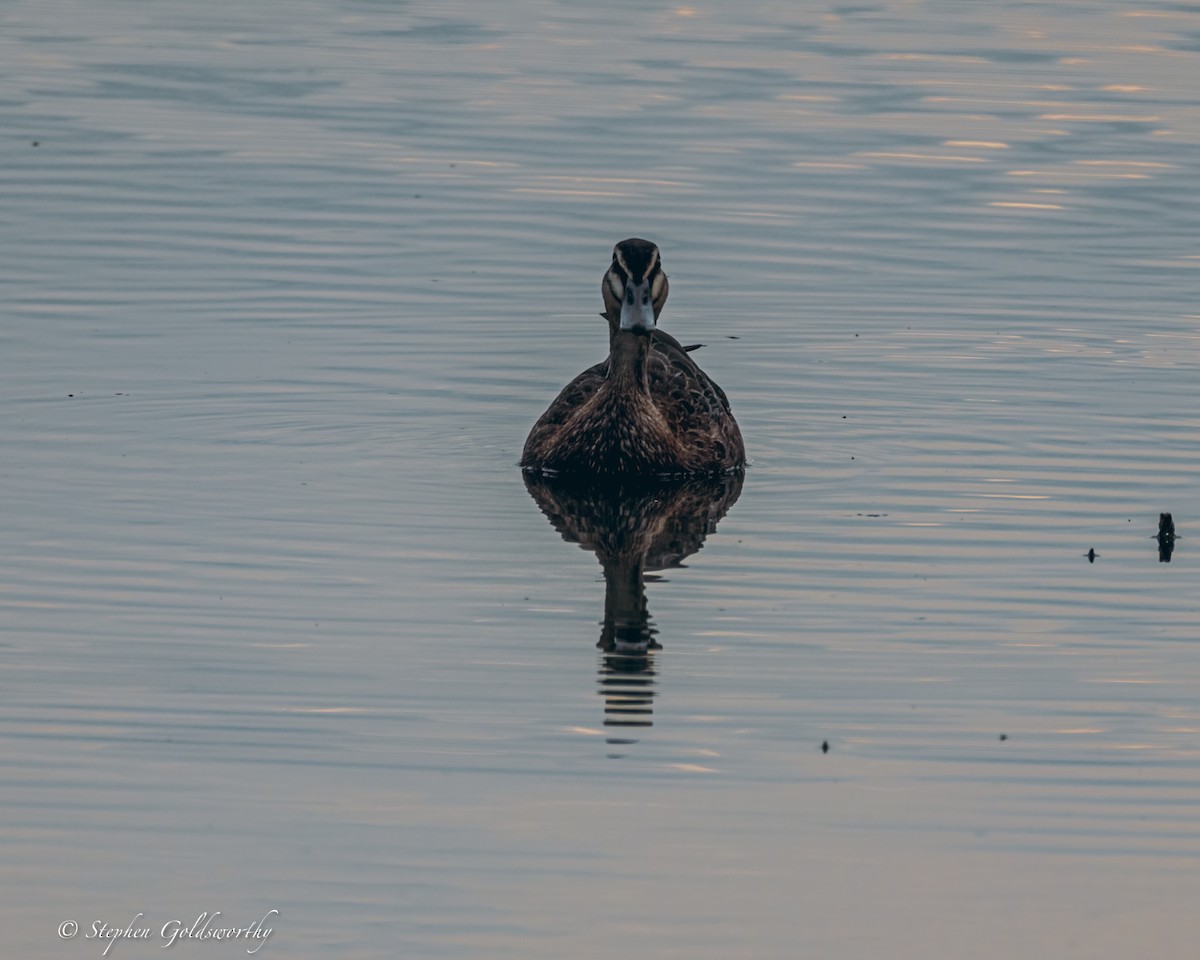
{"x": 285, "y": 285}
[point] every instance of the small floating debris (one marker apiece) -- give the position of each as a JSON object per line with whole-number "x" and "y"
{"x": 1166, "y": 526}
{"x": 1166, "y": 537}
{"x": 1003, "y": 737}
{"x": 1092, "y": 555}
{"x": 824, "y": 746}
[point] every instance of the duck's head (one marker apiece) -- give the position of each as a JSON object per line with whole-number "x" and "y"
{"x": 634, "y": 287}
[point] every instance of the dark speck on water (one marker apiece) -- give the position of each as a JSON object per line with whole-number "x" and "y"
{"x": 1166, "y": 537}
{"x": 1166, "y": 526}
{"x": 998, "y": 204}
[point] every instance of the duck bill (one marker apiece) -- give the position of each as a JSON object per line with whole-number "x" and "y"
{"x": 637, "y": 308}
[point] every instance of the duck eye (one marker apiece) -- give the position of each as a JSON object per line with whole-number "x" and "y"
{"x": 645, "y": 296}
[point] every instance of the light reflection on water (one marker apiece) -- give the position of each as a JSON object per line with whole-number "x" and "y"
{"x": 284, "y": 290}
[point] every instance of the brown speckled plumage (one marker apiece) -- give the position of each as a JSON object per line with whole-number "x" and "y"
{"x": 648, "y": 409}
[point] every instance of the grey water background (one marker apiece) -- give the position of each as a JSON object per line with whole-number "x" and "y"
{"x": 285, "y": 284}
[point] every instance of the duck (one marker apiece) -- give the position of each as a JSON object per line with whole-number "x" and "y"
{"x": 648, "y": 410}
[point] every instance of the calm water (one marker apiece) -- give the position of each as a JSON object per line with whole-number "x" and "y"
{"x": 284, "y": 287}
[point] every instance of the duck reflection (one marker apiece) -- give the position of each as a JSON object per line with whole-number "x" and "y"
{"x": 634, "y": 528}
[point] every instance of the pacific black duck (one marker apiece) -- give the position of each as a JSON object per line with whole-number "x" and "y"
{"x": 648, "y": 410}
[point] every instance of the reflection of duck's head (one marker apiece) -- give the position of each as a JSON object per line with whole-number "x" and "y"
{"x": 634, "y": 286}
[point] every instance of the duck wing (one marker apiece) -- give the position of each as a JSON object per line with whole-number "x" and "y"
{"x": 694, "y": 406}
{"x": 570, "y": 399}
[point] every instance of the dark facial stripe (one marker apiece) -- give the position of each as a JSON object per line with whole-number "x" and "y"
{"x": 635, "y": 259}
